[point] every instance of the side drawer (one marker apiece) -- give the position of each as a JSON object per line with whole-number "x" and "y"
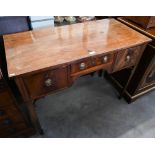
{"x": 46, "y": 82}
{"x": 92, "y": 64}
{"x": 128, "y": 57}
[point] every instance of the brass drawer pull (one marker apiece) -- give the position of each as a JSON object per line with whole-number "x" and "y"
{"x": 82, "y": 66}
{"x": 105, "y": 59}
{"x": 128, "y": 58}
{"x": 48, "y": 82}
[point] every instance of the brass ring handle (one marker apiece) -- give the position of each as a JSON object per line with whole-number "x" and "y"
{"x": 128, "y": 58}
{"x": 105, "y": 59}
{"x": 82, "y": 65}
{"x": 48, "y": 82}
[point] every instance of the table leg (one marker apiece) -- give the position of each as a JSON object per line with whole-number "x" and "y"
{"x": 100, "y": 73}
{"x": 33, "y": 116}
{"x": 125, "y": 87}
{"x": 29, "y": 104}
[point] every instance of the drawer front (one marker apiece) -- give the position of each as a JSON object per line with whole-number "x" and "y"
{"x": 12, "y": 130}
{"x": 6, "y": 99}
{"x": 87, "y": 64}
{"x": 46, "y": 82}
{"x": 126, "y": 58}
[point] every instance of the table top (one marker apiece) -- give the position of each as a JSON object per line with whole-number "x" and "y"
{"x": 40, "y": 49}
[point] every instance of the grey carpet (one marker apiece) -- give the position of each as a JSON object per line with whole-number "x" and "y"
{"x": 90, "y": 108}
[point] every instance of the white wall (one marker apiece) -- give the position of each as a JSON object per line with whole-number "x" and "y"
{"x": 41, "y": 21}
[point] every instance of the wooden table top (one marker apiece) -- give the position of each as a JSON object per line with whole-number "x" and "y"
{"x": 50, "y": 47}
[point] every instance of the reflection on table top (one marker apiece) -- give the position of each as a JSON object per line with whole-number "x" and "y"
{"x": 46, "y": 47}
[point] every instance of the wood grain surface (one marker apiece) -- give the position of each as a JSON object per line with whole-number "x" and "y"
{"x": 50, "y": 47}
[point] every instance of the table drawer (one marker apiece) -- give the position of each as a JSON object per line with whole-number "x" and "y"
{"x": 45, "y": 82}
{"x": 128, "y": 57}
{"x": 88, "y": 64}
{"x": 5, "y": 98}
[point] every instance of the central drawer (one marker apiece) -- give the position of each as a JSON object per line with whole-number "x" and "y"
{"x": 91, "y": 64}
{"x": 46, "y": 82}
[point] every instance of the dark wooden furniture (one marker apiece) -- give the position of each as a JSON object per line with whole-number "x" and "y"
{"x": 50, "y": 59}
{"x": 12, "y": 121}
{"x": 13, "y": 112}
{"x": 143, "y": 79}
{"x": 143, "y": 21}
